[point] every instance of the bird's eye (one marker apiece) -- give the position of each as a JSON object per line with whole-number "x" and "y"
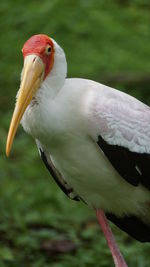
{"x": 48, "y": 50}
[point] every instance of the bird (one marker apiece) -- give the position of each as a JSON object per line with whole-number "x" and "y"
{"x": 93, "y": 139}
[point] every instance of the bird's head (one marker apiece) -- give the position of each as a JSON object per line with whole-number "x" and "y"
{"x": 41, "y": 47}
{"x": 39, "y": 58}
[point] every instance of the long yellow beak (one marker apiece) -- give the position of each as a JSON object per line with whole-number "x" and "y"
{"x": 32, "y": 77}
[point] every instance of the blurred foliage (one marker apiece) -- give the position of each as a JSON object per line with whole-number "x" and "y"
{"x": 39, "y": 226}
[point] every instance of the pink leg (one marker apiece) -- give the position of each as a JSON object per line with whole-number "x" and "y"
{"x": 118, "y": 258}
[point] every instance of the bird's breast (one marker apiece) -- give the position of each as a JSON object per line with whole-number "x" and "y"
{"x": 53, "y": 123}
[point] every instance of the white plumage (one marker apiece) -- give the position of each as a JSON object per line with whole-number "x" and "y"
{"x": 81, "y": 128}
{"x": 67, "y": 127}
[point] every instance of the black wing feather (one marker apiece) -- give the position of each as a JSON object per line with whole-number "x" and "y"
{"x": 133, "y": 167}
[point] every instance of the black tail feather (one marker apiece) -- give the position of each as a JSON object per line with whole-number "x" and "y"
{"x": 133, "y": 226}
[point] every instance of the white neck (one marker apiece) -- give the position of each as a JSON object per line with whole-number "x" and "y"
{"x": 45, "y": 101}
{"x": 56, "y": 78}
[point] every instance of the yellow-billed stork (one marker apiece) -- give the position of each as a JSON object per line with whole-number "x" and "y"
{"x": 94, "y": 140}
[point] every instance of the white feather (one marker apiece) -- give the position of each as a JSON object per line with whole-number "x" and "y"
{"x": 120, "y": 119}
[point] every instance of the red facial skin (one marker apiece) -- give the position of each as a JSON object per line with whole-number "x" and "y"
{"x": 37, "y": 45}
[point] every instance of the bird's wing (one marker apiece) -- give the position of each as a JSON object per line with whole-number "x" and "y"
{"x": 121, "y": 127}
{"x": 59, "y": 179}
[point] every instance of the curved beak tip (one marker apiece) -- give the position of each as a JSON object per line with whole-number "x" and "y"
{"x": 8, "y": 145}
{"x": 7, "y": 151}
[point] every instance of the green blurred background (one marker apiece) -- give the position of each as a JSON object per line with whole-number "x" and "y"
{"x": 107, "y": 41}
